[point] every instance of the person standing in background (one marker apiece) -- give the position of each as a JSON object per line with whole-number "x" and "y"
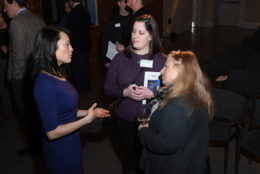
{"x": 22, "y": 31}
{"x": 137, "y": 7}
{"x": 78, "y": 23}
{"x": 4, "y": 91}
{"x": 67, "y": 10}
{"x": 113, "y": 29}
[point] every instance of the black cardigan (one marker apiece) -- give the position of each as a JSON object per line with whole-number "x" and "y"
{"x": 176, "y": 141}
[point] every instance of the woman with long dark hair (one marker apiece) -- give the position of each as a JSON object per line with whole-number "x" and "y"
{"x": 57, "y": 103}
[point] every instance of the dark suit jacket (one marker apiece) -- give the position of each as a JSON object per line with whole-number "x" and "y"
{"x": 22, "y": 31}
{"x": 113, "y": 31}
{"x": 78, "y": 22}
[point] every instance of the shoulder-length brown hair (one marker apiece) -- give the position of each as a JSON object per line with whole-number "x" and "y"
{"x": 191, "y": 81}
{"x": 155, "y": 45}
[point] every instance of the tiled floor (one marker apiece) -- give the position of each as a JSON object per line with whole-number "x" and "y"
{"x": 100, "y": 145}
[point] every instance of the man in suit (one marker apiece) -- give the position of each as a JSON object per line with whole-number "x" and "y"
{"x": 78, "y": 22}
{"x": 22, "y": 31}
{"x": 137, "y": 7}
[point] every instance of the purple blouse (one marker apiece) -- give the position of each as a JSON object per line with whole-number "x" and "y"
{"x": 121, "y": 73}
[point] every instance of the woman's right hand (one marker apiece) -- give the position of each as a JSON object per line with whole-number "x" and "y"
{"x": 94, "y": 112}
{"x": 100, "y": 112}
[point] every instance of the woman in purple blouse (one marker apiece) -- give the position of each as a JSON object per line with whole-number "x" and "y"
{"x": 125, "y": 80}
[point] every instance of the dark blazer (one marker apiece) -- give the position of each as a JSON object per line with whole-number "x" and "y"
{"x": 176, "y": 141}
{"x": 22, "y": 31}
{"x": 78, "y": 22}
{"x": 113, "y": 31}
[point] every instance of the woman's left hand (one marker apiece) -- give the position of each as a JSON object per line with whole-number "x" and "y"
{"x": 100, "y": 112}
{"x": 145, "y": 93}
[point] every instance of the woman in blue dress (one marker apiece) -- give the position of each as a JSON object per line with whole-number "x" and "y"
{"x": 57, "y": 102}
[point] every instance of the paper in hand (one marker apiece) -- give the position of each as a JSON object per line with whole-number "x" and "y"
{"x": 111, "y": 50}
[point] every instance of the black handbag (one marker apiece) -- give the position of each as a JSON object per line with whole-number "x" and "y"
{"x": 114, "y": 105}
{"x": 112, "y": 108}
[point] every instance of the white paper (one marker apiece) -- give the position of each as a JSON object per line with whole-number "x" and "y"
{"x": 111, "y": 50}
{"x": 151, "y": 80}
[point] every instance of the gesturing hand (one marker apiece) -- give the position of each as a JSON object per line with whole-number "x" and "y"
{"x": 91, "y": 113}
{"x": 100, "y": 112}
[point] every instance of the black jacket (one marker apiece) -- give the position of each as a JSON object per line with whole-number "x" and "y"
{"x": 78, "y": 22}
{"x": 113, "y": 31}
{"x": 176, "y": 141}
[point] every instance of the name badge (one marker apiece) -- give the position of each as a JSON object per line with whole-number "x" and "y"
{"x": 146, "y": 63}
{"x": 117, "y": 25}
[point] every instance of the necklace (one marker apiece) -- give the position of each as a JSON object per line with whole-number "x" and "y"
{"x": 56, "y": 77}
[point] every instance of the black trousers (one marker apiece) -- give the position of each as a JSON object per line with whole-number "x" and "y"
{"x": 130, "y": 143}
{"x": 27, "y": 113}
{"x": 20, "y": 93}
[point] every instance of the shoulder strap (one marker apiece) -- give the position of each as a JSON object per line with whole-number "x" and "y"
{"x": 136, "y": 76}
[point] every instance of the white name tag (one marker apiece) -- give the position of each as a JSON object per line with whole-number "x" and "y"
{"x": 146, "y": 63}
{"x": 117, "y": 25}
